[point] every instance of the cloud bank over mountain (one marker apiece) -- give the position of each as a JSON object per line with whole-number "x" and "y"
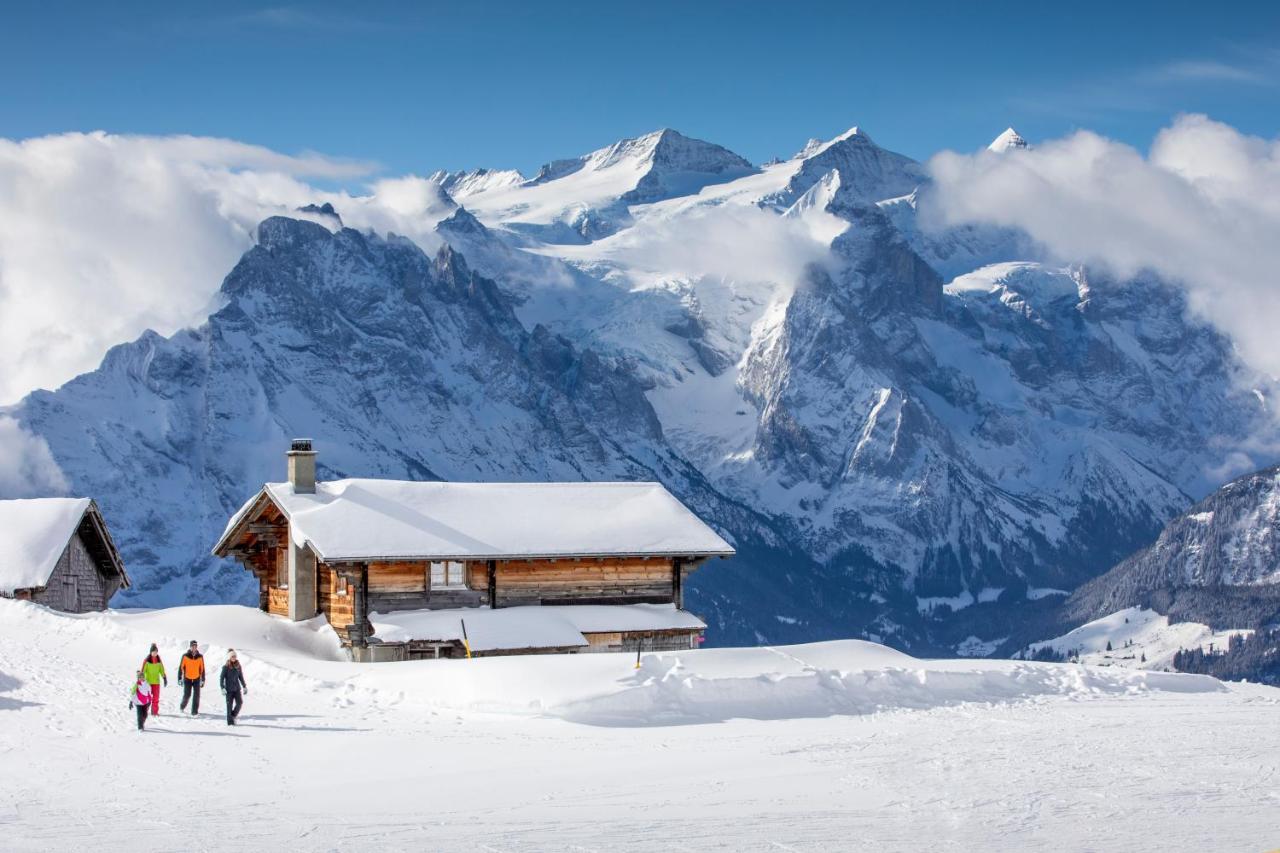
{"x": 1201, "y": 209}
{"x": 104, "y": 236}
{"x": 27, "y": 468}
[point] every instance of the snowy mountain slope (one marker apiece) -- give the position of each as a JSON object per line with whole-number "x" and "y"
{"x": 1134, "y": 638}
{"x": 585, "y": 198}
{"x": 459, "y": 185}
{"x": 1221, "y": 557}
{"x": 868, "y": 173}
{"x": 992, "y": 754}
{"x": 875, "y": 412}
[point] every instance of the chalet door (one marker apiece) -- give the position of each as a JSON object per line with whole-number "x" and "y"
{"x": 71, "y": 594}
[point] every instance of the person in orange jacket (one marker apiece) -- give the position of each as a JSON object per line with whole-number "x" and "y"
{"x": 191, "y": 671}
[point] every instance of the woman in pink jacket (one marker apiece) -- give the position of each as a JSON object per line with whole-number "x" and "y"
{"x": 140, "y": 698}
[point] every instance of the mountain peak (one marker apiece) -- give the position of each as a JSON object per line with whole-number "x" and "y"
{"x": 461, "y": 184}
{"x": 814, "y": 147}
{"x": 1008, "y": 141}
{"x": 323, "y": 212}
{"x": 867, "y": 172}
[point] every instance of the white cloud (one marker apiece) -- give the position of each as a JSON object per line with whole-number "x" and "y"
{"x": 730, "y": 241}
{"x": 27, "y": 468}
{"x": 104, "y": 236}
{"x": 1201, "y": 209}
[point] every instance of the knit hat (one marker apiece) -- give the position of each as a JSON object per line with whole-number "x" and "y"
{"x": 154, "y": 647}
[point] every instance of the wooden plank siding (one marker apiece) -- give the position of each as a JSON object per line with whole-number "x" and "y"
{"x": 672, "y": 640}
{"x": 334, "y": 600}
{"x": 278, "y": 601}
{"x": 406, "y": 585}
{"x": 616, "y": 580}
{"x": 77, "y": 584}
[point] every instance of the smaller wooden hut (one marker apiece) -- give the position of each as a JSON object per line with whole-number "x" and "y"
{"x": 57, "y": 552}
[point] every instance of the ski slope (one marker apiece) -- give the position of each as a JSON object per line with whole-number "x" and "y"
{"x": 831, "y": 746}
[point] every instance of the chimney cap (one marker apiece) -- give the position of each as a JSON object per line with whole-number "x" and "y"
{"x": 300, "y": 445}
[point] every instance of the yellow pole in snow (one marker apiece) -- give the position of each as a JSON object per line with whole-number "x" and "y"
{"x": 466, "y": 644}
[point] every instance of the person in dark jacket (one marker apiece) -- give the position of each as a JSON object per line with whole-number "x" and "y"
{"x": 232, "y": 682}
{"x": 191, "y": 671}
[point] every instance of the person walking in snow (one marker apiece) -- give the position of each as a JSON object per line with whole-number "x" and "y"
{"x": 140, "y": 698}
{"x": 191, "y": 670}
{"x": 153, "y": 671}
{"x": 232, "y": 682}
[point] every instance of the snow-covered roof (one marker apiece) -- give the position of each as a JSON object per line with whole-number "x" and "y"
{"x": 33, "y": 534}
{"x": 396, "y": 519}
{"x": 557, "y": 627}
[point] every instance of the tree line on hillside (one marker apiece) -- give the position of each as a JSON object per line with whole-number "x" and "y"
{"x": 1255, "y": 657}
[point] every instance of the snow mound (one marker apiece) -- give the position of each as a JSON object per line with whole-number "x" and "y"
{"x": 847, "y": 678}
{"x": 300, "y": 665}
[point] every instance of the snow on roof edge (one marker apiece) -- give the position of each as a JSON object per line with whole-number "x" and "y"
{"x": 281, "y": 495}
{"x": 40, "y": 531}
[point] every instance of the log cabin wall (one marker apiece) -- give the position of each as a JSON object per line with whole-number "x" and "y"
{"x": 335, "y": 600}
{"x": 612, "y": 580}
{"x": 278, "y": 601}
{"x": 77, "y": 584}
{"x": 672, "y": 640}
{"x": 406, "y": 585}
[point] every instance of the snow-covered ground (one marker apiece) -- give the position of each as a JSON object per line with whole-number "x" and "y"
{"x": 832, "y": 746}
{"x": 1139, "y": 639}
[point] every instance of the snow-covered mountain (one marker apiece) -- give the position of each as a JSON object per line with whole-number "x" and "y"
{"x": 1221, "y": 555}
{"x": 909, "y": 435}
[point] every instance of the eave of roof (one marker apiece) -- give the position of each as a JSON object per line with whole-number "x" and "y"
{"x": 252, "y": 509}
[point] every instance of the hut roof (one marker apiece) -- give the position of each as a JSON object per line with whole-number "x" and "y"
{"x": 35, "y": 531}
{"x": 361, "y": 519}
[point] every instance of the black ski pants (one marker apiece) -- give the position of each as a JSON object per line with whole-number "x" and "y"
{"x": 234, "y": 703}
{"x": 142, "y": 711}
{"x": 190, "y": 692}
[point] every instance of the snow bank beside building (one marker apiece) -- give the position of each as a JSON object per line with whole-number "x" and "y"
{"x": 846, "y": 677}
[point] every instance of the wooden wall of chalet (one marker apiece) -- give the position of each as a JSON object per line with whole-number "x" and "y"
{"x": 614, "y": 580}
{"x": 335, "y": 599}
{"x": 406, "y": 585}
{"x": 671, "y": 640}
{"x": 273, "y": 597}
{"x": 77, "y": 585}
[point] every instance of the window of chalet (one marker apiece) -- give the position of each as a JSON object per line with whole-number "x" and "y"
{"x": 282, "y": 568}
{"x": 448, "y": 575}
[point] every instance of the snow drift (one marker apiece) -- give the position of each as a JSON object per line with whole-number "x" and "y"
{"x": 848, "y": 677}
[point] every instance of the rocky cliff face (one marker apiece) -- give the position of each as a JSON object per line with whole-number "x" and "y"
{"x": 898, "y": 450}
{"x": 1227, "y": 546}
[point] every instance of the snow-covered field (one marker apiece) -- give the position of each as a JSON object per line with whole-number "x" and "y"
{"x": 832, "y": 746}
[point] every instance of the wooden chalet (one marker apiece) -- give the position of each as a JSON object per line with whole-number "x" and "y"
{"x": 58, "y": 552}
{"x": 407, "y": 570}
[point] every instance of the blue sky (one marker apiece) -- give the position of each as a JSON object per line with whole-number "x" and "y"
{"x": 414, "y": 87}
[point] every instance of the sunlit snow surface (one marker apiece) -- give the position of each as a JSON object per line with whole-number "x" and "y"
{"x": 818, "y": 747}
{"x": 1139, "y": 639}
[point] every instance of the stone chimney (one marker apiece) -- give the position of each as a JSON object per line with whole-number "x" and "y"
{"x": 302, "y": 466}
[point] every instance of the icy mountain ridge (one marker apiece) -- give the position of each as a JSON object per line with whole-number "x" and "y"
{"x": 910, "y": 415}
